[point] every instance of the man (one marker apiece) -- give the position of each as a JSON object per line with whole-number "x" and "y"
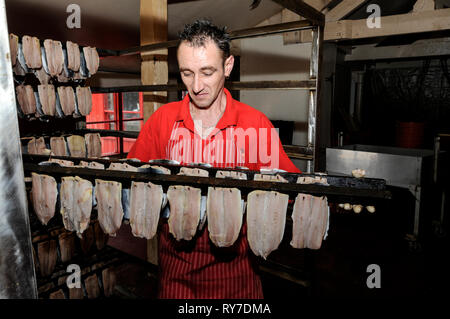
{"x": 208, "y": 126}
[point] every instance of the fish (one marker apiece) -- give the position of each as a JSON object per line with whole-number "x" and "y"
{"x": 77, "y": 146}
{"x": 145, "y": 207}
{"x": 55, "y": 56}
{"x": 224, "y": 213}
{"x": 309, "y": 217}
{"x": 58, "y": 146}
{"x": 32, "y": 52}
{"x": 47, "y": 255}
{"x": 47, "y": 98}
{"x": 84, "y": 101}
{"x": 76, "y": 203}
{"x": 73, "y": 56}
{"x": 184, "y": 216}
{"x": 26, "y": 99}
{"x": 266, "y": 219}
{"x": 44, "y": 193}
{"x": 92, "y": 60}
{"x": 93, "y": 145}
{"x": 14, "y": 48}
{"x": 109, "y": 205}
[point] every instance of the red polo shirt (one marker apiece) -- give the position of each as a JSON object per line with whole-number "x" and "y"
{"x": 243, "y": 136}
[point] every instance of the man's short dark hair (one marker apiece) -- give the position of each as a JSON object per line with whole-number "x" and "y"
{"x": 202, "y": 30}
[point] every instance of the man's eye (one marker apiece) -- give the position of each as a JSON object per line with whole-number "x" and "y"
{"x": 208, "y": 74}
{"x": 186, "y": 74}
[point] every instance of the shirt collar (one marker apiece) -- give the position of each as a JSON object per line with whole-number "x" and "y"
{"x": 229, "y": 117}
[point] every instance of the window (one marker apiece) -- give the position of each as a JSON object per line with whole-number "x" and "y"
{"x": 109, "y": 114}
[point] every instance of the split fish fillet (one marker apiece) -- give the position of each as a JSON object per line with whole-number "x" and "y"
{"x": 55, "y": 56}
{"x": 87, "y": 240}
{"x": 37, "y": 146}
{"x": 58, "y": 146}
{"x": 32, "y": 52}
{"x": 77, "y": 146}
{"x": 47, "y": 254}
{"x": 92, "y": 288}
{"x": 231, "y": 174}
{"x": 93, "y": 145}
{"x": 184, "y": 216}
{"x": 76, "y": 293}
{"x": 266, "y": 219}
{"x": 309, "y": 216}
{"x": 42, "y": 76}
{"x": 76, "y": 203}
{"x": 145, "y": 208}
{"x": 61, "y": 162}
{"x": 193, "y": 172}
{"x": 92, "y": 165}
{"x": 73, "y": 55}
{"x": 47, "y": 98}
{"x": 44, "y": 196}
{"x": 122, "y": 167}
{"x": 67, "y": 99}
{"x": 224, "y": 211}
{"x": 26, "y": 99}
{"x": 270, "y": 178}
{"x": 312, "y": 180}
{"x": 109, "y": 281}
{"x": 59, "y": 294}
{"x": 100, "y": 237}
{"x": 109, "y": 205}
{"x": 84, "y": 100}
{"x": 13, "y": 47}
{"x": 66, "y": 246}
{"x": 92, "y": 59}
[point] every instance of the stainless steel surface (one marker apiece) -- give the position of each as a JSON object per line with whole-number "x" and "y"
{"x": 311, "y": 128}
{"x": 437, "y": 149}
{"x": 398, "y": 166}
{"x": 314, "y": 96}
{"x": 401, "y": 167}
{"x": 17, "y": 276}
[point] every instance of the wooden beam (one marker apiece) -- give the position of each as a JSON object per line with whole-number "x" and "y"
{"x": 154, "y": 70}
{"x": 342, "y": 9}
{"x": 419, "y": 49}
{"x": 289, "y": 16}
{"x": 415, "y": 22}
{"x": 303, "y": 9}
{"x": 424, "y": 5}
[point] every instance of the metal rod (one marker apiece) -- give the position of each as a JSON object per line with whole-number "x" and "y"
{"x": 246, "y": 186}
{"x": 266, "y": 85}
{"x": 120, "y": 120}
{"x": 17, "y": 274}
{"x": 126, "y": 134}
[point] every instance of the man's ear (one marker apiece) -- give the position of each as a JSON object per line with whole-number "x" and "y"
{"x": 229, "y": 63}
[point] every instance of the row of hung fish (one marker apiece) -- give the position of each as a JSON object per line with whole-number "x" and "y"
{"x": 184, "y": 206}
{"x": 46, "y": 101}
{"x": 90, "y": 287}
{"x": 64, "y": 62}
{"x": 89, "y": 146}
{"x": 62, "y": 247}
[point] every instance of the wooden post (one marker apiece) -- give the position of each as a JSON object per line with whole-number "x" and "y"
{"x": 154, "y": 70}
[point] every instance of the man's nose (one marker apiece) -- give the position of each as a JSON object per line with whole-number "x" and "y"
{"x": 198, "y": 84}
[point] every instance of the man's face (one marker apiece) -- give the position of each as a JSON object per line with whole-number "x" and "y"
{"x": 203, "y": 71}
